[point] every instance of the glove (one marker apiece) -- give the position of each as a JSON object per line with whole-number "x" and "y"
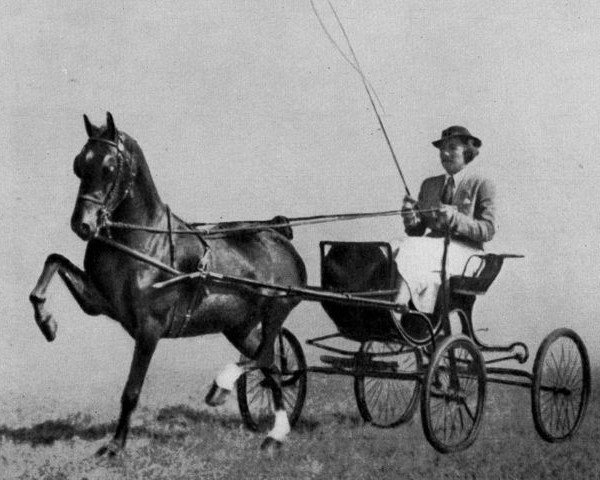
{"x": 447, "y": 214}
{"x": 408, "y": 211}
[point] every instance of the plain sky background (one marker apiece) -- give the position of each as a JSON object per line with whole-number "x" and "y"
{"x": 245, "y": 110}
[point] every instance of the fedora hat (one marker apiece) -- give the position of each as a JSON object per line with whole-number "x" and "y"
{"x": 456, "y": 131}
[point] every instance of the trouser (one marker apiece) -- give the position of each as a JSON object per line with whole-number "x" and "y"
{"x": 419, "y": 262}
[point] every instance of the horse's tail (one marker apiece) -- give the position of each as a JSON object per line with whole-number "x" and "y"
{"x": 281, "y": 225}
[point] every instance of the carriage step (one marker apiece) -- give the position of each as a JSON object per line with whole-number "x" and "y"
{"x": 358, "y": 363}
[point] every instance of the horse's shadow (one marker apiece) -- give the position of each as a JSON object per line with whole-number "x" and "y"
{"x": 312, "y": 424}
{"x": 50, "y": 431}
{"x": 170, "y": 422}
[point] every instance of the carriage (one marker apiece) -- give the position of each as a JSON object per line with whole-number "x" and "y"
{"x": 405, "y": 358}
{"x": 161, "y": 277}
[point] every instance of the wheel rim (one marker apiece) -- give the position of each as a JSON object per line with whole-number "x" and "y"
{"x": 255, "y": 398}
{"x": 388, "y": 402}
{"x": 561, "y": 386}
{"x": 454, "y": 395}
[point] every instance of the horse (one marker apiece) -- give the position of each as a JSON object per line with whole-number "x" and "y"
{"x": 116, "y": 188}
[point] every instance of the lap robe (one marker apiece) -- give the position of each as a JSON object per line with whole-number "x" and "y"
{"x": 419, "y": 262}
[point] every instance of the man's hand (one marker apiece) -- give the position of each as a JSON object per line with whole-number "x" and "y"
{"x": 446, "y": 214}
{"x": 408, "y": 211}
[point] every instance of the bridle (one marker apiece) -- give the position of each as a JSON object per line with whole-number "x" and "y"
{"x": 113, "y": 199}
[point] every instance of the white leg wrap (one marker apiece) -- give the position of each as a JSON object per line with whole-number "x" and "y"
{"x": 226, "y": 379}
{"x": 282, "y": 426}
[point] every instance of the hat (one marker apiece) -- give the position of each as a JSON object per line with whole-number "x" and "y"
{"x": 456, "y": 131}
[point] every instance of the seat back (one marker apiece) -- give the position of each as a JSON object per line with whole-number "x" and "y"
{"x": 479, "y": 282}
{"x": 360, "y": 269}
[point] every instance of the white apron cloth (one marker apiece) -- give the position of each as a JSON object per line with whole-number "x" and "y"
{"x": 419, "y": 262}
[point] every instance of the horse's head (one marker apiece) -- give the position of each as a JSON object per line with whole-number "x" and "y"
{"x": 107, "y": 172}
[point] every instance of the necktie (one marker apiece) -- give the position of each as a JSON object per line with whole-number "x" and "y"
{"x": 448, "y": 191}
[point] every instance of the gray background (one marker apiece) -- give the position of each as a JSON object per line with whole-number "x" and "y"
{"x": 245, "y": 110}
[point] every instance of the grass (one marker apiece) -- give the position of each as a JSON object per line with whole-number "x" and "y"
{"x": 185, "y": 441}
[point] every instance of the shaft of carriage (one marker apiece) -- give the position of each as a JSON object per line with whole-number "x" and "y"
{"x": 310, "y": 293}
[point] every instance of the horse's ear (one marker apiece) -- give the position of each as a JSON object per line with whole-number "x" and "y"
{"x": 89, "y": 128}
{"x": 111, "y": 130}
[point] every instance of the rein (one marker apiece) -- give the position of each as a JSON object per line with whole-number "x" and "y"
{"x": 260, "y": 224}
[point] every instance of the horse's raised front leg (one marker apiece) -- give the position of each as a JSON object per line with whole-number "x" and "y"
{"x": 144, "y": 349}
{"x": 87, "y": 296}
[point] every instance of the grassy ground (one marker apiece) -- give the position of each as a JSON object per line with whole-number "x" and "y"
{"x": 186, "y": 440}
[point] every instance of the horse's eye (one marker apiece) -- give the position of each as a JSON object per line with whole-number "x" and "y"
{"x": 108, "y": 169}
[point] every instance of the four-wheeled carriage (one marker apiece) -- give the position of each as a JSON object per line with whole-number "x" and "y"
{"x": 405, "y": 357}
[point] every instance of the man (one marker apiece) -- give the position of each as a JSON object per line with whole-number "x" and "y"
{"x": 460, "y": 202}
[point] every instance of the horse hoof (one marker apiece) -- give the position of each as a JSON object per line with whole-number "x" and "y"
{"x": 111, "y": 450}
{"x": 216, "y": 395}
{"x": 48, "y": 326}
{"x": 270, "y": 445}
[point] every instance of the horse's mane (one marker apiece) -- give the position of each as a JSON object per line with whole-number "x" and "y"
{"x": 130, "y": 143}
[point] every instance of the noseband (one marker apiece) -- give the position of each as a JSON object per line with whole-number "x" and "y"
{"x": 109, "y": 203}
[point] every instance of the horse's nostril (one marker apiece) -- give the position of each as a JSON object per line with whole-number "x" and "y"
{"x": 85, "y": 229}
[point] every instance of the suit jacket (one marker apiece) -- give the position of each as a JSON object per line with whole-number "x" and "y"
{"x": 475, "y": 220}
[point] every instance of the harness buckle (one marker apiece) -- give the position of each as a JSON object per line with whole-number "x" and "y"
{"x": 203, "y": 262}
{"x": 104, "y": 221}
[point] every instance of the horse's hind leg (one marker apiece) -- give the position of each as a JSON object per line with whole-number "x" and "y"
{"x": 273, "y": 314}
{"x": 247, "y": 344}
{"x": 281, "y": 427}
{"x": 78, "y": 283}
{"x": 144, "y": 349}
{"x": 259, "y": 346}
{"x": 265, "y": 359}
{"x": 255, "y": 344}
{"x": 225, "y": 382}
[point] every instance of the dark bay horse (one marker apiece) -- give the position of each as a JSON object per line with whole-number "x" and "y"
{"x": 116, "y": 185}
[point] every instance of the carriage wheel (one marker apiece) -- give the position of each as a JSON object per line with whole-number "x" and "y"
{"x": 255, "y": 399}
{"x": 388, "y": 402}
{"x": 453, "y": 395}
{"x": 561, "y": 385}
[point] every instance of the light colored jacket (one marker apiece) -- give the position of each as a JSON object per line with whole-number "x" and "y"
{"x": 475, "y": 220}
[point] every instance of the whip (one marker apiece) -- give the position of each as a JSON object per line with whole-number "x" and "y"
{"x": 366, "y": 84}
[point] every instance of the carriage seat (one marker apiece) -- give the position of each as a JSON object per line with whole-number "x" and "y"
{"x": 479, "y": 282}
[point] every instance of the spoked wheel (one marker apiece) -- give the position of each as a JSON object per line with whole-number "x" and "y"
{"x": 561, "y": 385}
{"x": 453, "y": 395}
{"x": 388, "y": 402}
{"x": 255, "y": 399}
